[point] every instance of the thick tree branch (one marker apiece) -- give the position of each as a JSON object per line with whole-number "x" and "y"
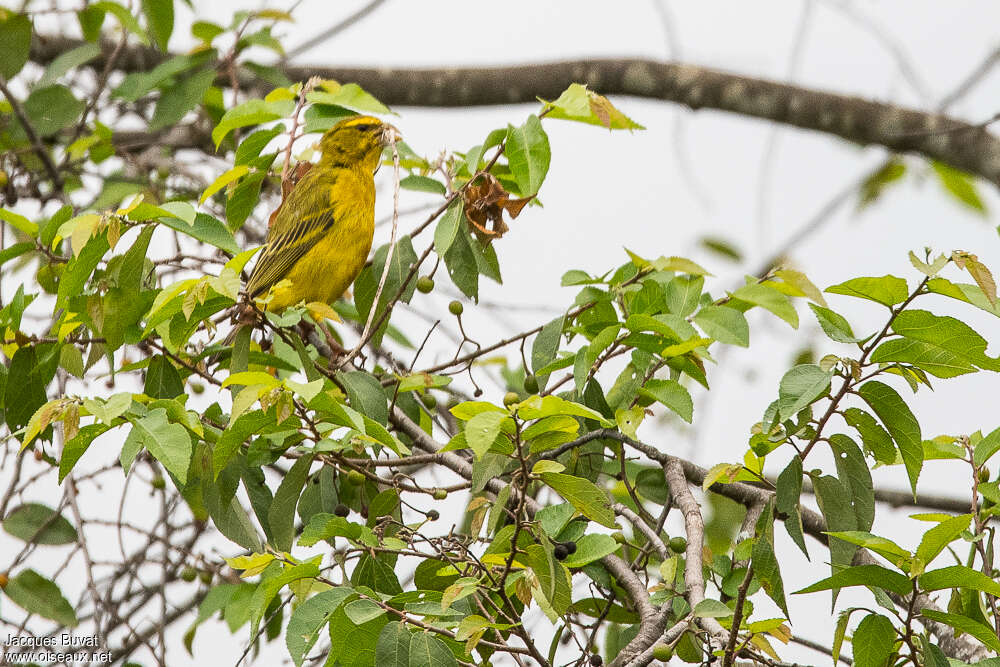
{"x": 964, "y": 145}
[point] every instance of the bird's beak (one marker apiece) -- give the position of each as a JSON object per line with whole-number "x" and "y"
{"x": 390, "y": 134}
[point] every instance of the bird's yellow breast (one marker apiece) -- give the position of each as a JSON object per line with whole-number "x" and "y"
{"x": 326, "y": 271}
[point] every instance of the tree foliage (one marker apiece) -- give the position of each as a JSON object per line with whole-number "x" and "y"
{"x": 322, "y": 476}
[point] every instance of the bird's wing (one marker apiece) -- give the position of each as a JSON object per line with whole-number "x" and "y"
{"x": 284, "y": 249}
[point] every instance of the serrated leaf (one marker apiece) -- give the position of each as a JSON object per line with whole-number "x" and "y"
{"x": 39, "y": 595}
{"x": 584, "y": 495}
{"x": 900, "y": 422}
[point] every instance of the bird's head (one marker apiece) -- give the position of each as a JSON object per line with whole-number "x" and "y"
{"x": 357, "y": 140}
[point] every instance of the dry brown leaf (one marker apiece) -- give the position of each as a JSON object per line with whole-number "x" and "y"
{"x": 485, "y": 203}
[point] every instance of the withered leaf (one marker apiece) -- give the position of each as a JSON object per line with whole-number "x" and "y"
{"x": 485, "y": 202}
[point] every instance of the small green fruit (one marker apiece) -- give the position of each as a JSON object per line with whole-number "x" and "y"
{"x": 425, "y": 284}
{"x": 456, "y": 308}
{"x": 510, "y": 398}
{"x": 531, "y": 386}
{"x": 984, "y": 475}
{"x": 618, "y": 536}
{"x": 159, "y": 483}
{"x": 440, "y": 494}
{"x": 355, "y": 478}
{"x": 678, "y": 545}
{"x": 663, "y": 652}
{"x": 429, "y": 401}
{"x": 205, "y": 576}
{"x": 189, "y": 574}
{"x": 196, "y": 387}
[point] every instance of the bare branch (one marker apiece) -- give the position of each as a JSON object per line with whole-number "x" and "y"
{"x": 961, "y": 144}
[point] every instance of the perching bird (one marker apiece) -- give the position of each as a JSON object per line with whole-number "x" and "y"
{"x": 320, "y": 237}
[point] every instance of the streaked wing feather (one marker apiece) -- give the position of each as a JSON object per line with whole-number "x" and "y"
{"x": 284, "y": 250}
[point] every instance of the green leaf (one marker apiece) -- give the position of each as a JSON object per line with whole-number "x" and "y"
{"x": 160, "y": 19}
{"x": 393, "y": 646}
{"x": 672, "y": 394}
{"x": 538, "y": 407}
{"x": 883, "y": 546}
{"x": 251, "y": 112}
{"x": 25, "y": 388}
{"x": 181, "y": 98}
{"x": 52, "y": 108}
{"x": 940, "y": 536}
{"x": 350, "y": 96}
{"x": 374, "y": 573}
{"x": 423, "y": 184}
{"x": 365, "y": 394}
{"x": 125, "y": 18}
{"x": 943, "y": 346}
{"x": 168, "y": 443}
{"x": 862, "y": 575}
{"x": 482, "y": 430}
{"x": 38, "y": 595}
{"x": 15, "y": 43}
{"x": 281, "y": 514}
{"x": 874, "y": 437}
{"x": 788, "y": 491}
{"x": 873, "y": 641}
{"x": 983, "y": 633}
{"x": 545, "y": 347}
{"x": 19, "y": 222}
{"x": 269, "y": 587}
{"x": 362, "y": 611}
{"x": 77, "y": 447}
{"x": 207, "y": 229}
{"x": 585, "y": 496}
{"x": 958, "y": 576}
{"x": 852, "y": 469}
{"x": 887, "y": 290}
{"x": 426, "y": 650}
{"x": 834, "y": 502}
{"x": 726, "y": 325}
{"x": 802, "y": 386}
{"x": 460, "y": 260}
{"x": 986, "y": 448}
{"x": 973, "y": 294}
{"x": 590, "y": 548}
{"x": 834, "y": 325}
{"x": 959, "y": 185}
{"x": 162, "y": 379}
{"x": 38, "y": 524}
{"x": 308, "y": 619}
{"x": 683, "y": 293}
{"x": 448, "y": 226}
{"x": 770, "y": 299}
{"x": 900, "y": 423}
{"x": 709, "y": 608}
{"x": 528, "y": 154}
{"x": 765, "y": 565}
{"x": 64, "y": 62}
{"x": 325, "y": 526}
{"x": 578, "y": 104}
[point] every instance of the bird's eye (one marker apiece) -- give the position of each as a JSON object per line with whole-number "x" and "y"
{"x": 364, "y": 128}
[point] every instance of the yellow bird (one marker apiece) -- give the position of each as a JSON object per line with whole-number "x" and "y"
{"x": 319, "y": 238}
